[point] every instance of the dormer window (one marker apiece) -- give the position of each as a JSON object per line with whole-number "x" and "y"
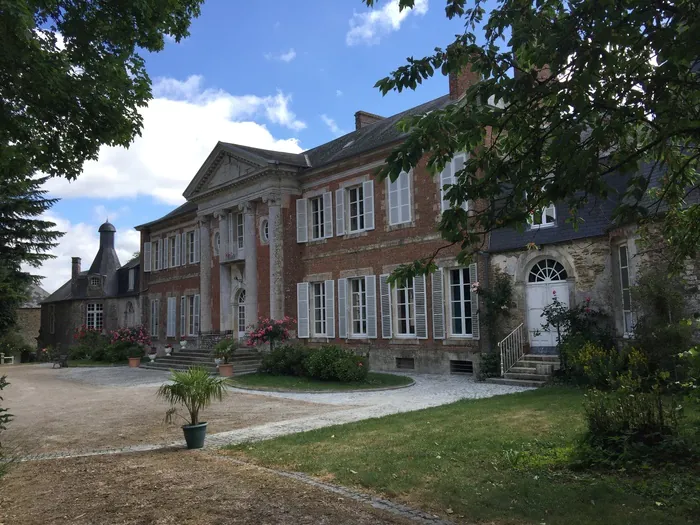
{"x": 95, "y": 282}
{"x": 544, "y": 217}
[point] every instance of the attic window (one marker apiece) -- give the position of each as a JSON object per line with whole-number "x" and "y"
{"x": 95, "y": 281}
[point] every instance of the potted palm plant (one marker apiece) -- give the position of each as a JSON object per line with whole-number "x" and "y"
{"x": 194, "y": 389}
{"x": 223, "y": 351}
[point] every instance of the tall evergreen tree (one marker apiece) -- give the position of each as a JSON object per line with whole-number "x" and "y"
{"x": 25, "y": 239}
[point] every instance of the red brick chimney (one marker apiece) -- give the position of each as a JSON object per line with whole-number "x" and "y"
{"x": 461, "y": 81}
{"x": 362, "y": 119}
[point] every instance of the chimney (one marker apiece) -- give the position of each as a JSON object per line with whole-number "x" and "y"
{"x": 75, "y": 268}
{"x": 461, "y": 81}
{"x": 362, "y": 119}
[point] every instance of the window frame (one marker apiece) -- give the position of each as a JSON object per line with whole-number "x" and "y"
{"x": 627, "y": 331}
{"x": 240, "y": 231}
{"x": 410, "y": 303}
{"x": 172, "y": 246}
{"x": 360, "y": 217}
{"x": 319, "y": 214}
{"x": 95, "y": 281}
{"x": 157, "y": 254}
{"x": 131, "y": 280}
{"x": 542, "y": 213}
{"x": 465, "y": 302}
{"x": 362, "y": 307}
{"x": 318, "y": 293}
{"x": 155, "y": 318}
{"x": 94, "y": 318}
{"x": 189, "y": 243}
{"x": 394, "y": 188}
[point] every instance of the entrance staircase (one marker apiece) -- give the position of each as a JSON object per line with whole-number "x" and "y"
{"x": 530, "y": 370}
{"x": 245, "y": 360}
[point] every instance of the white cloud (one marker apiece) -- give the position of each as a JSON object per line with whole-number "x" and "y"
{"x": 80, "y": 240}
{"x": 338, "y": 93}
{"x": 181, "y": 126}
{"x": 101, "y": 213}
{"x": 332, "y": 125}
{"x": 286, "y": 56}
{"x": 367, "y": 28}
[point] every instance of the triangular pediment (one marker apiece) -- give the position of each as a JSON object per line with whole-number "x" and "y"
{"x": 229, "y": 170}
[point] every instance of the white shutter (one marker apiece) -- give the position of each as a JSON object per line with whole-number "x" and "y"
{"x": 302, "y": 225}
{"x": 184, "y": 256}
{"x": 446, "y": 179}
{"x": 302, "y": 310}
{"x": 458, "y": 163}
{"x": 328, "y": 214}
{"x": 172, "y": 305}
{"x": 473, "y": 278}
{"x": 166, "y": 253}
{"x": 342, "y": 308}
{"x": 385, "y": 297}
{"x": 438, "y": 286}
{"x": 368, "y": 194}
{"x": 393, "y": 201}
{"x": 196, "y": 314}
{"x": 340, "y": 212}
{"x": 146, "y": 256}
{"x": 155, "y": 256}
{"x": 196, "y": 244}
{"x": 421, "y": 308}
{"x": 330, "y": 309}
{"x": 183, "y": 316}
{"x": 177, "y": 249}
{"x": 371, "y": 297}
{"x": 405, "y": 197}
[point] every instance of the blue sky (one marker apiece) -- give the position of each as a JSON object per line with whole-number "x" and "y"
{"x": 276, "y": 74}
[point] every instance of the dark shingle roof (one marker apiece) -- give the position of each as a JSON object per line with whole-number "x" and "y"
{"x": 131, "y": 264}
{"x": 184, "y": 209}
{"x": 269, "y": 156}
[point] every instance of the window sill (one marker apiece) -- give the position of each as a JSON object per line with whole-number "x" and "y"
{"x": 311, "y": 242}
{"x": 542, "y": 226}
{"x": 411, "y": 341}
{"x": 353, "y": 235}
{"x": 319, "y": 339}
{"x": 457, "y": 341}
{"x": 400, "y": 226}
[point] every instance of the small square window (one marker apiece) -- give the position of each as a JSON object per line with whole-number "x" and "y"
{"x": 95, "y": 281}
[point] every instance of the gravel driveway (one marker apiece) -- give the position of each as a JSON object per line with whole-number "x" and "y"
{"x": 79, "y": 410}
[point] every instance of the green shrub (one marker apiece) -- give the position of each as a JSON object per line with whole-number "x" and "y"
{"x": 13, "y": 344}
{"x": 626, "y": 426}
{"x": 90, "y": 344}
{"x": 285, "y": 360}
{"x": 489, "y": 365}
{"x": 121, "y": 350}
{"x": 333, "y": 363}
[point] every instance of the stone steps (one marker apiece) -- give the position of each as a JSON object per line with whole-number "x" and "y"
{"x": 515, "y": 382}
{"x": 244, "y": 361}
{"x": 532, "y": 370}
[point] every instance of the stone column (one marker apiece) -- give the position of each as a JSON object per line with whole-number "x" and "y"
{"x": 251, "y": 264}
{"x": 274, "y": 203}
{"x": 224, "y": 276}
{"x": 205, "y": 274}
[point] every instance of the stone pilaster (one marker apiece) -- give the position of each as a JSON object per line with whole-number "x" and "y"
{"x": 225, "y": 321}
{"x": 274, "y": 203}
{"x": 251, "y": 264}
{"x": 205, "y": 274}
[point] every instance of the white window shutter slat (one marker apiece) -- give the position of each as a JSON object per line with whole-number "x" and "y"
{"x": 328, "y": 214}
{"x": 371, "y": 293}
{"x": 302, "y": 310}
{"x": 385, "y": 297}
{"x": 146, "y": 256}
{"x": 421, "y": 307}
{"x": 196, "y": 314}
{"x": 405, "y": 197}
{"x": 183, "y": 250}
{"x": 183, "y": 316}
{"x": 393, "y": 201}
{"x": 302, "y": 225}
{"x": 330, "y": 309}
{"x": 342, "y": 308}
{"x": 438, "y": 286}
{"x": 166, "y": 253}
{"x": 368, "y": 192}
{"x": 196, "y": 244}
{"x": 155, "y": 256}
{"x": 178, "y": 244}
{"x": 474, "y": 278}
{"x": 340, "y": 212}
{"x": 446, "y": 179}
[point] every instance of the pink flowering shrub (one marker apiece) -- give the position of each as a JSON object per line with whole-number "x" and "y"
{"x": 271, "y": 331}
{"x": 128, "y": 342}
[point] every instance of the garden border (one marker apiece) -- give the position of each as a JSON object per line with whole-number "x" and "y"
{"x": 288, "y": 391}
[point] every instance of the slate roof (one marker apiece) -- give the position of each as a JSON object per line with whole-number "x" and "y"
{"x": 36, "y": 295}
{"x": 131, "y": 264}
{"x": 183, "y": 209}
{"x": 63, "y": 293}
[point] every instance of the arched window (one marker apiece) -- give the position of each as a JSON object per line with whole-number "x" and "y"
{"x": 240, "y": 313}
{"x": 546, "y": 271}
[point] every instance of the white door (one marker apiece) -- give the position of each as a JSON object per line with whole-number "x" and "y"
{"x": 546, "y": 282}
{"x": 240, "y": 314}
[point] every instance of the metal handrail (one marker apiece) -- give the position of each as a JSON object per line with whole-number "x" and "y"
{"x": 511, "y": 348}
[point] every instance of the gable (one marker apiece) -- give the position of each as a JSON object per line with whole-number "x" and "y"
{"x": 229, "y": 170}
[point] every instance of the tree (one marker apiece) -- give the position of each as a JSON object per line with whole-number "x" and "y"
{"x": 24, "y": 239}
{"x": 574, "y": 97}
{"x": 71, "y": 81}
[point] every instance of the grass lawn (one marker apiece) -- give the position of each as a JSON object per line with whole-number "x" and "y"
{"x": 500, "y": 460}
{"x": 270, "y": 382}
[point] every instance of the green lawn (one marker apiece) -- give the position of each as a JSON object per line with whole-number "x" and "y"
{"x": 498, "y": 460}
{"x": 270, "y": 382}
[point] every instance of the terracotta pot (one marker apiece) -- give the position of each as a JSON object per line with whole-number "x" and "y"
{"x": 226, "y": 370}
{"x": 134, "y": 362}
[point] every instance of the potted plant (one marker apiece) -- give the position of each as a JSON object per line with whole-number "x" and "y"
{"x": 194, "y": 389}
{"x": 135, "y": 353}
{"x": 183, "y": 342}
{"x": 129, "y": 342}
{"x": 152, "y": 353}
{"x": 168, "y": 349}
{"x": 223, "y": 351}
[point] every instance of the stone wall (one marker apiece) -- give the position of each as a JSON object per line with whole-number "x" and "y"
{"x": 28, "y": 324}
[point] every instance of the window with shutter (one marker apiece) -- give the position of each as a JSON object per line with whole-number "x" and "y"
{"x": 178, "y": 248}
{"x": 405, "y": 309}
{"x": 328, "y": 214}
{"x": 357, "y": 289}
{"x": 240, "y": 233}
{"x": 183, "y": 316}
{"x": 385, "y": 299}
{"x": 196, "y": 245}
{"x": 318, "y": 309}
{"x": 437, "y": 285}
{"x": 157, "y": 255}
{"x": 448, "y": 177}
{"x": 460, "y": 302}
{"x": 340, "y": 211}
{"x": 474, "y": 278}
{"x": 342, "y": 308}
{"x": 172, "y": 305}
{"x": 303, "y": 310}
{"x": 302, "y": 224}
{"x": 147, "y": 257}
{"x": 368, "y": 190}
{"x": 421, "y": 307}
{"x": 166, "y": 253}
{"x": 399, "y": 197}
{"x": 356, "y": 209}
{"x": 371, "y": 290}
{"x": 330, "y": 309}
{"x": 318, "y": 218}
{"x": 196, "y": 315}
{"x": 183, "y": 250}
